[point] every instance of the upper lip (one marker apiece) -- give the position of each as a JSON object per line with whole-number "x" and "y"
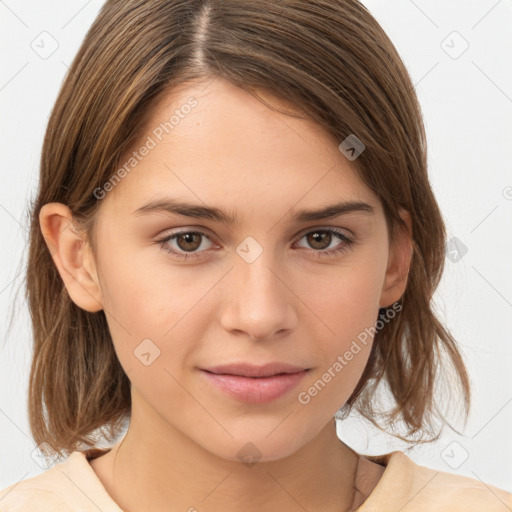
{"x": 249, "y": 370}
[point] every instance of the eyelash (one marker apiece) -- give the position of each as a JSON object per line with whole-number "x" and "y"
{"x": 348, "y": 243}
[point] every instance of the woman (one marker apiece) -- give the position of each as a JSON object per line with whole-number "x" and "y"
{"x": 235, "y": 242}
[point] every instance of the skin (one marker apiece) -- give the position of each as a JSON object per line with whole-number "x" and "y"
{"x": 289, "y": 304}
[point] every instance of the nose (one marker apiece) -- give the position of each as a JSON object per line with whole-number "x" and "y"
{"x": 258, "y": 301}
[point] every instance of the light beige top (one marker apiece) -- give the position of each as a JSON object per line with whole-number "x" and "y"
{"x": 73, "y": 486}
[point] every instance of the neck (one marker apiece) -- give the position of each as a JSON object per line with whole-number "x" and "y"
{"x": 150, "y": 472}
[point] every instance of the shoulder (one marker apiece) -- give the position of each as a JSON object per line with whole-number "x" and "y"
{"x": 36, "y": 493}
{"x": 69, "y": 486}
{"x": 411, "y": 487}
{"x": 19, "y": 498}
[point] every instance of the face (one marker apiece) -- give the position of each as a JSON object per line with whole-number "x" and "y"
{"x": 186, "y": 290}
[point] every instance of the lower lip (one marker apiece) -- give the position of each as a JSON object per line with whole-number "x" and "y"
{"x": 255, "y": 390}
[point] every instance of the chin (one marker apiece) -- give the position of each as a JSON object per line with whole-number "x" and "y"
{"x": 265, "y": 445}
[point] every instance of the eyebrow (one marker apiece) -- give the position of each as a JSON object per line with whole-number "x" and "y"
{"x": 198, "y": 211}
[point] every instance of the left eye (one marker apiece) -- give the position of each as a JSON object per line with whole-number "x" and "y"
{"x": 319, "y": 236}
{"x": 188, "y": 242}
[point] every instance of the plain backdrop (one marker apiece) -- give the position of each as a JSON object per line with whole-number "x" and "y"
{"x": 459, "y": 56}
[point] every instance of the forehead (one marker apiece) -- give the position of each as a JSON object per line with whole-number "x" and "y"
{"x": 216, "y": 143}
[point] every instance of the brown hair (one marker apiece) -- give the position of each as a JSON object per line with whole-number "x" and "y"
{"x": 329, "y": 58}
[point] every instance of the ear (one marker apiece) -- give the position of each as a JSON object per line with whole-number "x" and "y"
{"x": 72, "y": 256}
{"x": 399, "y": 261}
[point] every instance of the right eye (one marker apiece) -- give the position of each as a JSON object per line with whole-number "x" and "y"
{"x": 187, "y": 241}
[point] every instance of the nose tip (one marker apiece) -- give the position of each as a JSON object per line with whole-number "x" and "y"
{"x": 266, "y": 335}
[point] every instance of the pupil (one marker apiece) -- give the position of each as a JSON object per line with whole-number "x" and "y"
{"x": 188, "y": 237}
{"x": 317, "y": 236}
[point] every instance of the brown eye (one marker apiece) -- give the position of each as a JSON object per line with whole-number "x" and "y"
{"x": 319, "y": 239}
{"x": 184, "y": 244}
{"x": 187, "y": 244}
{"x": 188, "y": 241}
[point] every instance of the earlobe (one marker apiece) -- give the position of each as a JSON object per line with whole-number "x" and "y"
{"x": 399, "y": 262}
{"x": 71, "y": 255}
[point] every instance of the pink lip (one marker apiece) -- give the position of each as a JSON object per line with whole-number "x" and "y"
{"x": 250, "y": 370}
{"x": 255, "y": 389}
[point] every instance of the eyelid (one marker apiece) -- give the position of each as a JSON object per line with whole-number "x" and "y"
{"x": 205, "y": 232}
{"x": 350, "y": 234}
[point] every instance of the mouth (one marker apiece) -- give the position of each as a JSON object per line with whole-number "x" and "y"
{"x": 255, "y": 384}
{"x": 249, "y": 370}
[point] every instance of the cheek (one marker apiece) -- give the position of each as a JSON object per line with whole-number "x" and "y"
{"x": 145, "y": 292}
{"x": 155, "y": 311}
{"x": 342, "y": 355}
{"x": 346, "y": 297}
{"x": 347, "y": 307}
